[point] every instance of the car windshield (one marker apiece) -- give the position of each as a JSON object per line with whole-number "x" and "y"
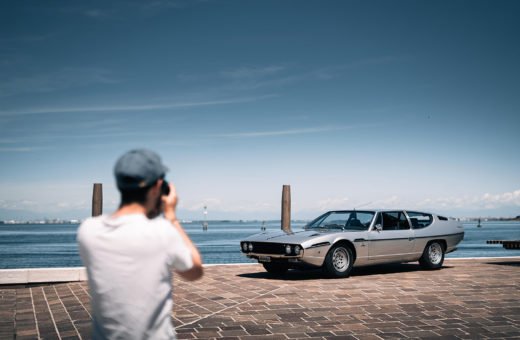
{"x": 345, "y": 220}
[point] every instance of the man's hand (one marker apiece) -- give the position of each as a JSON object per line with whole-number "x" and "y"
{"x": 169, "y": 203}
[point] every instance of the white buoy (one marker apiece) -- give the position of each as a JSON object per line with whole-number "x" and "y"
{"x": 205, "y": 224}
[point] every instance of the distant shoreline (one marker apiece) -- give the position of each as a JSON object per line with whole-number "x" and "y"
{"x": 486, "y": 219}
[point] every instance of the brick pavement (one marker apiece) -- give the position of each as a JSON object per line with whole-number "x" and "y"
{"x": 466, "y": 299}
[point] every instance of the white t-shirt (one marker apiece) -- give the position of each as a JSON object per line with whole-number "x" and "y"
{"x": 129, "y": 261}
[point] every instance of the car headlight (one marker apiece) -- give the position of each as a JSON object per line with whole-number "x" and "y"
{"x": 288, "y": 249}
{"x": 250, "y": 246}
{"x": 244, "y": 246}
{"x": 297, "y": 250}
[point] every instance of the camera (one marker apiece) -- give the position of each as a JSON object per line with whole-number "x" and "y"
{"x": 165, "y": 188}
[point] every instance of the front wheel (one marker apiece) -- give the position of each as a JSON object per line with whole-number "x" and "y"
{"x": 276, "y": 268}
{"x": 339, "y": 261}
{"x": 433, "y": 256}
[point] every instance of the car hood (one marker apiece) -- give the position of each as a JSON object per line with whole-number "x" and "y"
{"x": 291, "y": 236}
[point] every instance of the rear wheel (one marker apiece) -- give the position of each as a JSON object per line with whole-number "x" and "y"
{"x": 276, "y": 268}
{"x": 433, "y": 256}
{"x": 339, "y": 261}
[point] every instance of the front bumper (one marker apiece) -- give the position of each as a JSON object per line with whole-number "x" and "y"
{"x": 275, "y": 252}
{"x": 272, "y": 252}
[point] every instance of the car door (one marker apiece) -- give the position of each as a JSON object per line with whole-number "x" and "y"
{"x": 391, "y": 239}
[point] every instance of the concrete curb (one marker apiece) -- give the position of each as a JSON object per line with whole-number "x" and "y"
{"x": 484, "y": 257}
{"x": 39, "y": 275}
{"x": 45, "y": 275}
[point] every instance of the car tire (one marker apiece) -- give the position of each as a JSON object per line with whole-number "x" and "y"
{"x": 433, "y": 256}
{"x": 276, "y": 268}
{"x": 339, "y": 261}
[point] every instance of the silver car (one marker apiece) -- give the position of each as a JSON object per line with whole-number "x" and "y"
{"x": 338, "y": 240}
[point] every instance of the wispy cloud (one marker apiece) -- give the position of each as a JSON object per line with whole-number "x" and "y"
{"x": 252, "y": 72}
{"x": 23, "y": 149}
{"x": 272, "y": 76}
{"x": 390, "y": 202}
{"x": 484, "y": 201}
{"x": 282, "y": 80}
{"x": 282, "y": 132}
{"x": 135, "y": 107}
{"x": 235, "y": 74}
{"x": 389, "y": 59}
{"x": 54, "y": 81}
{"x": 96, "y": 13}
{"x": 27, "y": 38}
{"x": 256, "y": 77}
{"x": 221, "y": 205}
{"x": 168, "y": 4}
{"x": 57, "y": 136}
{"x": 16, "y": 204}
{"x": 333, "y": 203}
{"x": 107, "y": 9}
{"x": 321, "y": 74}
{"x": 38, "y": 206}
{"x": 123, "y": 9}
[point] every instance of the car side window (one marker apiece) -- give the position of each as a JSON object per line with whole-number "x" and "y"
{"x": 403, "y": 221}
{"x": 419, "y": 220}
{"x": 395, "y": 220}
{"x": 390, "y": 220}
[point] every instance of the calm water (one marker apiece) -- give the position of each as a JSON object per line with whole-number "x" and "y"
{"x": 54, "y": 245}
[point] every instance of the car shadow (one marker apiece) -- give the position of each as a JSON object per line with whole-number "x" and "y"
{"x": 291, "y": 275}
{"x": 391, "y": 268}
{"x": 515, "y": 263}
{"x": 318, "y": 274}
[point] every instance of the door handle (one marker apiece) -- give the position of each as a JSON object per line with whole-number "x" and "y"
{"x": 411, "y": 238}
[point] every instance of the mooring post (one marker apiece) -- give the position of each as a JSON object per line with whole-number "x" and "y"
{"x": 97, "y": 200}
{"x": 286, "y": 208}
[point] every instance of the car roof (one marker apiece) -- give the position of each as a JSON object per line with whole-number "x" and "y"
{"x": 382, "y": 210}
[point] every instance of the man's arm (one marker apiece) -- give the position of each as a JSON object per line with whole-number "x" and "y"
{"x": 169, "y": 204}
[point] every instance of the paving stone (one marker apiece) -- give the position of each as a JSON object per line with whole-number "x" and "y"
{"x": 232, "y": 333}
{"x": 242, "y": 302}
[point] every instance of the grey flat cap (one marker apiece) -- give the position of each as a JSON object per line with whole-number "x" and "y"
{"x": 138, "y": 169}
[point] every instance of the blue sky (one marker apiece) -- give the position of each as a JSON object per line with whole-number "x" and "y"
{"x": 401, "y": 104}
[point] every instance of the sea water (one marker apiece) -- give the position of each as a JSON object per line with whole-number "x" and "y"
{"x": 54, "y": 245}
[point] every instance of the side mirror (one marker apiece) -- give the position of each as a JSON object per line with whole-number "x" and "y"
{"x": 379, "y": 227}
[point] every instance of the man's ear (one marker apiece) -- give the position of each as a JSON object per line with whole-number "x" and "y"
{"x": 157, "y": 186}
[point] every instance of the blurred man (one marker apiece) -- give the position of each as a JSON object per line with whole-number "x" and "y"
{"x": 130, "y": 254}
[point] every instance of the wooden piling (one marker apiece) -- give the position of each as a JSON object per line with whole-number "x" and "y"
{"x": 97, "y": 200}
{"x": 286, "y": 208}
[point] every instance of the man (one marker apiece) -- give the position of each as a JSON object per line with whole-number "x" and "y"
{"x": 130, "y": 254}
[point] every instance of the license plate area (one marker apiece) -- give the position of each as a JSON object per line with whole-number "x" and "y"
{"x": 264, "y": 259}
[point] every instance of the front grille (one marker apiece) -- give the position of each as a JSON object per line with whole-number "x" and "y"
{"x": 268, "y": 248}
